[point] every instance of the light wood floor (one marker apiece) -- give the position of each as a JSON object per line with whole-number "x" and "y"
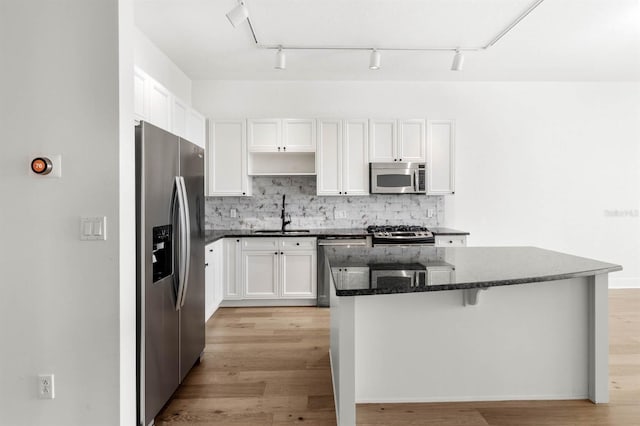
{"x": 270, "y": 366}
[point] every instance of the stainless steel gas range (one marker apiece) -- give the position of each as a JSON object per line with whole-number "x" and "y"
{"x": 401, "y": 235}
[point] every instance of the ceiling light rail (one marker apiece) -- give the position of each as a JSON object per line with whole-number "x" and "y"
{"x": 240, "y": 13}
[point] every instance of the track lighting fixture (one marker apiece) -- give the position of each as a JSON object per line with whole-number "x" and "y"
{"x": 374, "y": 60}
{"x": 281, "y": 60}
{"x": 238, "y": 14}
{"x": 458, "y": 61}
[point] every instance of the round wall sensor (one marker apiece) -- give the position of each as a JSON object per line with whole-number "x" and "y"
{"x": 41, "y": 166}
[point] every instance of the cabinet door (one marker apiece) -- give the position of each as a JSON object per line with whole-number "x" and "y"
{"x": 440, "y": 157}
{"x": 209, "y": 281}
{"x": 159, "y": 105}
{"x": 382, "y": 140}
{"x": 411, "y": 140}
{"x": 355, "y": 158}
{"x": 218, "y": 273}
{"x": 232, "y": 269}
{"x": 140, "y": 95}
{"x": 298, "y": 274}
{"x": 451, "y": 240}
{"x": 196, "y": 130}
{"x": 260, "y": 274}
{"x": 328, "y": 157}
{"x": 299, "y": 135}
{"x": 440, "y": 275}
{"x": 227, "y": 159}
{"x": 179, "y": 118}
{"x": 264, "y": 135}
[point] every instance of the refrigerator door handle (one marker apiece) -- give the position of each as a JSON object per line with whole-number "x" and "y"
{"x": 178, "y": 206}
{"x": 186, "y": 233}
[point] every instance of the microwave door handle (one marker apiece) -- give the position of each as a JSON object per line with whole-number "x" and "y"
{"x": 415, "y": 180}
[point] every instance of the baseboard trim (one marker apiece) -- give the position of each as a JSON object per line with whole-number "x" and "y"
{"x": 624, "y": 282}
{"x": 469, "y": 399}
{"x": 267, "y": 302}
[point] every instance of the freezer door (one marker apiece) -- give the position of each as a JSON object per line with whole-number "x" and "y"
{"x": 192, "y": 310}
{"x": 157, "y": 164}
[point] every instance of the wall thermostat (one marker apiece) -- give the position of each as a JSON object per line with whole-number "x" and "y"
{"x": 50, "y": 166}
{"x": 41, "y": 166}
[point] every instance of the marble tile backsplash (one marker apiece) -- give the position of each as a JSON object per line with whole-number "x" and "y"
{"x": 308, "y": 210}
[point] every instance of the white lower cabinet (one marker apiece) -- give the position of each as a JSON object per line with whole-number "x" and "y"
{"x": 260, "y": 274}
{"x": 232, "y": 269}
{"x": 278, "y": 268}
{"x": 213, "y": 277}
{"x": 451, "y": 240}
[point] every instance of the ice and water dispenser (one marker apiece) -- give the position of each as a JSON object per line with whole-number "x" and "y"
{"x": 162, "y": 259}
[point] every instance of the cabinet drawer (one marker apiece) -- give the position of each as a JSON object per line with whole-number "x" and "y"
{"x": 259, "y": 243}
{"x": 451, "y": 240}
{"x": 298, "y": 243}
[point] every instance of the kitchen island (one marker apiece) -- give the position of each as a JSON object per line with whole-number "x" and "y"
{"x": 466, "y": 324}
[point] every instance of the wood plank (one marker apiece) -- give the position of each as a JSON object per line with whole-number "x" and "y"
{"x": 269, "y": 366}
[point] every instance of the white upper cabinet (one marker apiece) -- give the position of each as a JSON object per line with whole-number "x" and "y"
{"x": 329, "y": 157}
{"x": 196, "y": 128}
{"x": 264, "y": 134}
{"x": 159, "y": 105}
{"x": 440, "y": 157}
{"x": 382, "y": 140}
{"x": 397, "y": 140}
{"x": 154, "y": 103}
{"x": 299, "y": 135}
{"x": 140, "y": 98}
{"x": 179, "y": 118}
{"x": 411, "y": 140}
{"x": 281, "y": 135}
{"x": 227, "y": 159}
{"x": 342, "y": 157}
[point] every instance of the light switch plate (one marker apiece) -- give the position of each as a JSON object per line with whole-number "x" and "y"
{"x": 93, "y": 228}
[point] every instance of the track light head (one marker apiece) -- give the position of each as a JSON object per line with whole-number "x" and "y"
{"x": 374, "y": 60}
{"x": 238, "y": 14}
{"x": 281, "y": 60}
{"x": 458, "y": 61}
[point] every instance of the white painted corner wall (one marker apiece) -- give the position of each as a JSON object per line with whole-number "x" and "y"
{"x": 61, "y": 308}
{"x": 538, "y": 163}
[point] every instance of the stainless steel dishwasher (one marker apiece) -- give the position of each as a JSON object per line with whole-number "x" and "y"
{"x": 323, "y": 266}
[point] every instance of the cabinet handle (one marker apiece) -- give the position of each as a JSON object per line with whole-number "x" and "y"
{"x": 450, "y": 242}
{"x": 237, "y": 241}
{"x": 278, "y": 148}
{"x": 400, "y": 159}
{"x": 340, "y": 192}
{"x": 281, "y": 253}
{"x": 297, "y": 244}
{"x": 210, "y": 250}
{"x": 395, "y": 159}
{"x": 345, "y": 193}
{"x": 244, "y": 193}
{"x": 284, "y": 149}
{"x": 206, "y": 264}
{"x": 275, "y": 253}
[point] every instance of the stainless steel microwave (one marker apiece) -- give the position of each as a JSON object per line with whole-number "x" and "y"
{"x": 397, "y": 178}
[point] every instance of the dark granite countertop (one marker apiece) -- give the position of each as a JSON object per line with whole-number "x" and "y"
{"x": 212, "y": 236}
{"x": 354, "y": 269}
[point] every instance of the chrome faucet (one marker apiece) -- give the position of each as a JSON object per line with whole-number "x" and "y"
{"x": 283, "y": 215}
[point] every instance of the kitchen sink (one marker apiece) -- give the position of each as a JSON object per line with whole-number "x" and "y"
{"x": 279, "y": 231}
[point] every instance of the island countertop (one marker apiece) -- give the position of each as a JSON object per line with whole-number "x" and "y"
{"x": 355, "y": 270}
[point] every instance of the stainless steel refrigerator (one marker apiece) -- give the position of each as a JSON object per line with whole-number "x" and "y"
{"x": 170, "y": 264}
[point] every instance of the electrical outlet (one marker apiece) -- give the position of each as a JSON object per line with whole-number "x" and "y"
{"x": 430, "y": 212}
{"x": 340, "y": 214}
{"x": 45, "y": 386}
{"x": 233, "y": 213}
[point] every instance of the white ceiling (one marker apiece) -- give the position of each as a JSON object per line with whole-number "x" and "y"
{"x": 560, "y": 40}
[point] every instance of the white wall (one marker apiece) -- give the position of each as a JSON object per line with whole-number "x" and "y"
{"x": 537, "y": 163}
{"x": 154, "y": 62}
{"x": 60, "y": 303}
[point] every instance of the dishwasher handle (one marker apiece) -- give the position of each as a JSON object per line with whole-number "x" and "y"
{"x": 353, "y": 242}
